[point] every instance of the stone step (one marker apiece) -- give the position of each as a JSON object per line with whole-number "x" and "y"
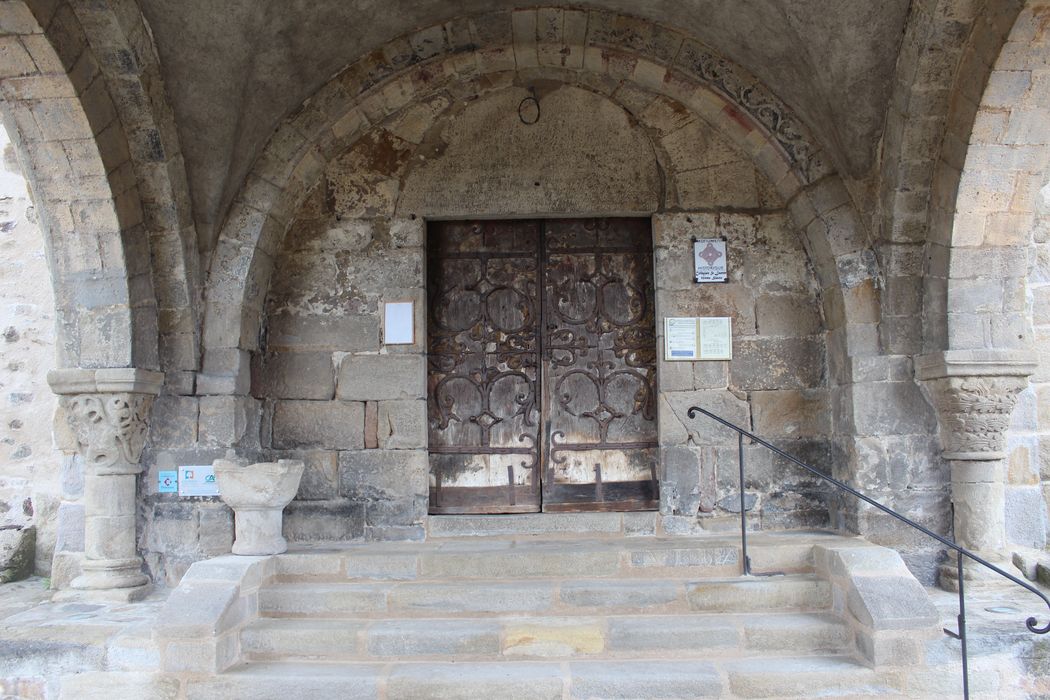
{"x": 641, "y": 557}
{"x": 805, "y": 677}
{"x": 797, "y": 592}
{"x": 618, "y": 636}
{"x": 540, "y": 680}
{"x": 543, "y": 524}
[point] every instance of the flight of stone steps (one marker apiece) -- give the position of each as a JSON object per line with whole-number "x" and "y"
{"x": 528, "y": 612}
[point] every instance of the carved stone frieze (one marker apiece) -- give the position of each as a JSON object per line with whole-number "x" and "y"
{"x": 746, "y": 92}
{"x": 974, "y": 414}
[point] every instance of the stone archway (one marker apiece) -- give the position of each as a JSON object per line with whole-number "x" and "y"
{"x": 688, "y": 83}
{"x": 992, "y": 168}
{"x": 84, "y": 102}
{"x": 375, "y": 87}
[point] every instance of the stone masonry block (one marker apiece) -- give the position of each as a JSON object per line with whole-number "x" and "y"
{"x": 676, "y": 427}
{"x": 890, "y": 602}
{"x": 335, "y": 520}
{"x": 680, "y": 486}
{"x": 196, "y": 609}
{"x": 379, "y": 377}
{"x": 318, "y": 333}
{"x": 891, "y": 408}
{"x": 322, "y": 424}
{"x": 320, "y": 479}
{"x": 174, "y": 422}
{"x": 294, "y": 375}
{"x": 402, "y": 424}
{"x": 383, "y": 474}
{"x": 787, "y": 315}
{"x": 224, "y": 420}
{"x": 791, "y": 413}
{"x": 777, "y": 363}
{"x": 98, "y": 685}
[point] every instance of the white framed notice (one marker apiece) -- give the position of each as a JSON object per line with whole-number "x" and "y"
{"x": 399, "y": 323}
{"x": 693, "y": 339}
{"x": 709, "y": 260}
{"x": 681, "y": 341}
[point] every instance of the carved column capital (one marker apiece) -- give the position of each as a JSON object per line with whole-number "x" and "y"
{"x": 974, "y": 393}
{"x": 111, "y": 428}
{"x": 108, "y": 410}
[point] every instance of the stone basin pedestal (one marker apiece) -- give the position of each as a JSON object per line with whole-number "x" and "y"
{"x": 258, "y": 494}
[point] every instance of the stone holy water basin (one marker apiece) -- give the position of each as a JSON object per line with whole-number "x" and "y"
{"x": 258, "y": 494}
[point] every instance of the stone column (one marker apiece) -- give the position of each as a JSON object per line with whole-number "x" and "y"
{"x": 108, "y": 410}
{"x": 974, "y": 392}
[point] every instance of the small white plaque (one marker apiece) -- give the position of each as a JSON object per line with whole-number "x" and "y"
{"x": 709, "y": 260}
{"x": 692, "y": 339}
{"x": 399, "y": 326}
{"x": 680, "y": 339}
{"x": 198, "y": 480}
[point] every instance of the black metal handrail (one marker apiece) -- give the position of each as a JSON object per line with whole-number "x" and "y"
{"x": 1031, "y": 623}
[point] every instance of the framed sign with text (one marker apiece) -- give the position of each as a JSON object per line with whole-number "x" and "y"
{"x": 694, "y": 339}
{"x": 709, "y": 260}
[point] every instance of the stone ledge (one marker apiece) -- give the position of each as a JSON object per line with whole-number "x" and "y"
{"x": 105, "y": 381}
{"x": 890, "y": 612}
{"x": 971, "y": 363}
{"x": 198, "y": 628}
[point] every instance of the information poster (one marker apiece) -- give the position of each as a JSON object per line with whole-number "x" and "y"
{"x": 198, "y": 481}
{"x": 681, "y": 339}
{"x": 716, "y": 338}
{"x": 693, "y": 339}
{"x": 709, "y": 260}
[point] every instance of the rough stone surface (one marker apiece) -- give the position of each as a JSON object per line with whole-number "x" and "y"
{"x": 318, "y": 424}
{"x": 31, "y": 465}
{"x": 381, "y": 377}
{"x": 17, "y": 552}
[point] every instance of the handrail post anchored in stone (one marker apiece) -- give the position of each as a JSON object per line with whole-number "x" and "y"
{"x": 974, "y": 393}
{"x": 108, "y": 410}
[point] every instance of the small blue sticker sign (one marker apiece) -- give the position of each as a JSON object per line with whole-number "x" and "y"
{"x": 168, "y": 482}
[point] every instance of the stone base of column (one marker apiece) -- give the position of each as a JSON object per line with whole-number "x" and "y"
{"x": 977, "y": 577}
{"x": 100, "y": 595}
{"x": 112, "y": 580}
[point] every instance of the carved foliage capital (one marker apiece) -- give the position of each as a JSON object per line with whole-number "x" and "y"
{"x": 974, "y": 413}
{"x": 111, "y": 428}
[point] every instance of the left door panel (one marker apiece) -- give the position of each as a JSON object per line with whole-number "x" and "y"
{"x": 483, "y": 359}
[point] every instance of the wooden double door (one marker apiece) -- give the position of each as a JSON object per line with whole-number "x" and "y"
{"x": 541, "y": 366}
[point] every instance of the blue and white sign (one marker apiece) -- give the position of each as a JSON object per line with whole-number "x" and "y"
{"x": 198, "y": 480}
{"x": 168, "y": 481}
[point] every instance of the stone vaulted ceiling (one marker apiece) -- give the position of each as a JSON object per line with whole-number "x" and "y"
{"x": 234, "y": 69}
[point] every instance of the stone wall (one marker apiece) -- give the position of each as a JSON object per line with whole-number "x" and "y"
{"x": 355, "y": 410}
{"x": 352, "y": 408}
{"x": 38, "y": 485}
{"x": 776, "y": 385}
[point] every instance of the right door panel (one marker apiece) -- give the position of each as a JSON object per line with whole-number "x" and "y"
{"x": 599, "y": 365}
